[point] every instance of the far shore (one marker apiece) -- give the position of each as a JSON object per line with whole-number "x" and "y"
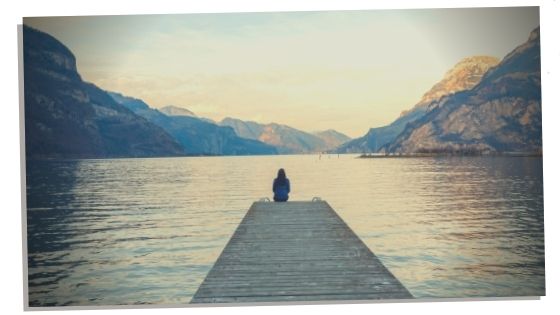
{"x": 362, "y": 156}
{"x": 448, "y": 154}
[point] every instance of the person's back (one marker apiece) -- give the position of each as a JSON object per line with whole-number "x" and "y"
{"x": 281, "y": 186}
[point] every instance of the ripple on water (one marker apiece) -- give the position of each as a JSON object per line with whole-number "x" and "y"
{"x": 135, "y": 231}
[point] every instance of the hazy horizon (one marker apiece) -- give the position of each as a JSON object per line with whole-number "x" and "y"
{"x": 342, "y": 70}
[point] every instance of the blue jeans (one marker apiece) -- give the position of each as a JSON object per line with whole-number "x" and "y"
{"x": 280, "y": 199}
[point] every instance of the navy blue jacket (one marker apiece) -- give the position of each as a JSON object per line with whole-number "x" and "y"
{"x": 281, "y": 191}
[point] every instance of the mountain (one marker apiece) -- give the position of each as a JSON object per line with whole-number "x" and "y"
{"x": 332, "y": 138}
{"x": 464, "y": 75}
{"x": 66, "y": 117}
{"x": 171, "y": 110}
{"x": 244, "y": 129}
{"x": 291, "y": 140}
{"x": 502, "y": 113}
{"x": 197, "y": 136}
{"x": 286, "y": 139}
{"x": 375, "y": 138}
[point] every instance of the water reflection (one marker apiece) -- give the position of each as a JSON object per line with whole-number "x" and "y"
{"x": 127, "y": 231}
{"x": 468, "y": 226}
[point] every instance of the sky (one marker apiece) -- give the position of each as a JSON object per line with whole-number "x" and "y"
{"x": 343, "y": 70}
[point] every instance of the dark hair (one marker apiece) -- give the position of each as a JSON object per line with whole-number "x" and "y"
{"x": 281, "y": 177}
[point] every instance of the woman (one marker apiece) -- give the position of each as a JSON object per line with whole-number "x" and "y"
{"x": 281, "y": 186}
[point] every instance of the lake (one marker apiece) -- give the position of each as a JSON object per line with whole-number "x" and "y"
{"x": 135, "y": 231}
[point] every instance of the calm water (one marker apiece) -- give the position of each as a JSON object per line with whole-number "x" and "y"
{"x": 129, "y": 231}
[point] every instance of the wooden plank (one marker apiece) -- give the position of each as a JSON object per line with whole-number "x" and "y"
{"x": 296, "y": 251}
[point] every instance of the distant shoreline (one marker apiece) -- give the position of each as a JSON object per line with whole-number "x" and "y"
{"x": 423, "y": 155}
{"x": 74, "y": 158}
{"x": 362, "y": 156}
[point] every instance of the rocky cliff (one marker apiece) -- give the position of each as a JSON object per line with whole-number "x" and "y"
{"x": 502, "y": 113}
{"x": 464, "y": 75}
{"x": 66, "y": 117}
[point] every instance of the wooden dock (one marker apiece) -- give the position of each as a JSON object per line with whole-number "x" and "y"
{"x": 296, "y": 251}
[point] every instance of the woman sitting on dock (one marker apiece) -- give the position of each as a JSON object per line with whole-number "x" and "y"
{"x": 281, "y": 186}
